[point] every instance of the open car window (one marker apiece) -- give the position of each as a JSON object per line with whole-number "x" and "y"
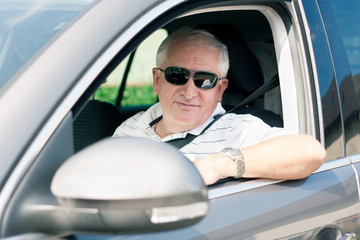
{"x": 135, "y": 72}
{"x": 258, "y": 56}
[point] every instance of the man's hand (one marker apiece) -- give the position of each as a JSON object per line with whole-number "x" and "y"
{"x": 215, "y": 167}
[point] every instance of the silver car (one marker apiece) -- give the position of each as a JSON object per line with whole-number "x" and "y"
{"x": 72, "y": 71}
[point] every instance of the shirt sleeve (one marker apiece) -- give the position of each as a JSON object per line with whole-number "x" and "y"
{"x": 128, "y": 127}
{"x": 258, "y": 131}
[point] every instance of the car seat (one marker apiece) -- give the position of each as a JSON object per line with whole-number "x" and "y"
{"x": 96, "y": 121}
{"x": 245, "y": 74}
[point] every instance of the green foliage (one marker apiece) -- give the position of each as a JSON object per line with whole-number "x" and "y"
{"x": 133, "y": 95}
{"x": 106, "y": 94}
{"x": 138, "y": 90}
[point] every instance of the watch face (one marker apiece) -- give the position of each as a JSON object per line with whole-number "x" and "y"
{"x": 228, "y": 149}
{"x": 232, "y": 150}
{"x": 237, "y": 151}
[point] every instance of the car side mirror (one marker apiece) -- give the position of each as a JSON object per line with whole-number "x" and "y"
{"x": 130, "y": 185}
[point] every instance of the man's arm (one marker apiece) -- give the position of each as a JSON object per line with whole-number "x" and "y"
{"x": 285, "y": 157}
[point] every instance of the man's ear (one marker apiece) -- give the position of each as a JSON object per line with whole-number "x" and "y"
{"x": 156, "y": 77}
{"x": 222, "y": 87}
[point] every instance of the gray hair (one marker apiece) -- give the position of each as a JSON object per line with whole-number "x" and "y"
{"x": 197, "y": 37}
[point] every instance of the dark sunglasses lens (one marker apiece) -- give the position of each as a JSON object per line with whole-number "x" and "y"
{"x": 205, "y": 80}
{"x": 177, "y": 75}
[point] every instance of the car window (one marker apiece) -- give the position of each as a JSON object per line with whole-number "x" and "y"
{"x": 24, "y": 30}
{"x": 138, "y": 89}
{"x": 347, "y": 14}
{"x": 348, "y": 17}
{"x": 253, "y": 62}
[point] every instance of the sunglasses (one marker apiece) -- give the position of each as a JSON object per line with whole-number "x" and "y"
{"x": 180, "y": 76}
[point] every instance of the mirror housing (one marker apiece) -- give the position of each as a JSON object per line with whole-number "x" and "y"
{"x": 129, "y": 185}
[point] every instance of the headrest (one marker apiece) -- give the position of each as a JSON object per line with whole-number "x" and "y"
{"x": 244, "y": 74}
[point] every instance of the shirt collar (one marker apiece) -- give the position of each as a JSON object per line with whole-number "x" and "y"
{"x": 150, "y": 115}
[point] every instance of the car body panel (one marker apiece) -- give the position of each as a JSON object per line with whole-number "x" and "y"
{"x": 277, "y": 211}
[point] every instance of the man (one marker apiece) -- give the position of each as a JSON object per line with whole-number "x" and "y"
{"x": 190, "y": 79}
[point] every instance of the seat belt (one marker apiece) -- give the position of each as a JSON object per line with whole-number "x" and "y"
{"x": 180, "y": 142}
{"x": 267, "y": 86}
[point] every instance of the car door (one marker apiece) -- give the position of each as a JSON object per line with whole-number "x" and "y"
{"x": 346, "y": 16}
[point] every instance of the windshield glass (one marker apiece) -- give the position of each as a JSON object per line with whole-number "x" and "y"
{"x": 27, "y": 25}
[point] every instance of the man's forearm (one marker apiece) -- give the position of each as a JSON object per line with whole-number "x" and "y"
{"x": 285, "y": 157}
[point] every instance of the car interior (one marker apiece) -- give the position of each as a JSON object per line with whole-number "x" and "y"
{"x": 253, "y": 75}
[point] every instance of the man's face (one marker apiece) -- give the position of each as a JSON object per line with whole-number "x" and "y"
{"x": 187, "y": 107}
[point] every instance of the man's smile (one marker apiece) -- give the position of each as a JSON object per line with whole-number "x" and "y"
{"x": 187, "y": 106}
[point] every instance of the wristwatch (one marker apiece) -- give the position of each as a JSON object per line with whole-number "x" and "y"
{"x": 236, "y": 155}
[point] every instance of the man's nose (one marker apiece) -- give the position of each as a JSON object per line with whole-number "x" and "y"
{"x": 189, "y": 89}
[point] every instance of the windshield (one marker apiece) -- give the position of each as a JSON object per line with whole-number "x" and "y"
{"x": 27, "y": 25}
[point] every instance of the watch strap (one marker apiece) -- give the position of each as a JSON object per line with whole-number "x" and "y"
{"x": 237, "y": 156}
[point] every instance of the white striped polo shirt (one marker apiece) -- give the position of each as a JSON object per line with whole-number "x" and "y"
{"x": 231, "y": 130}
